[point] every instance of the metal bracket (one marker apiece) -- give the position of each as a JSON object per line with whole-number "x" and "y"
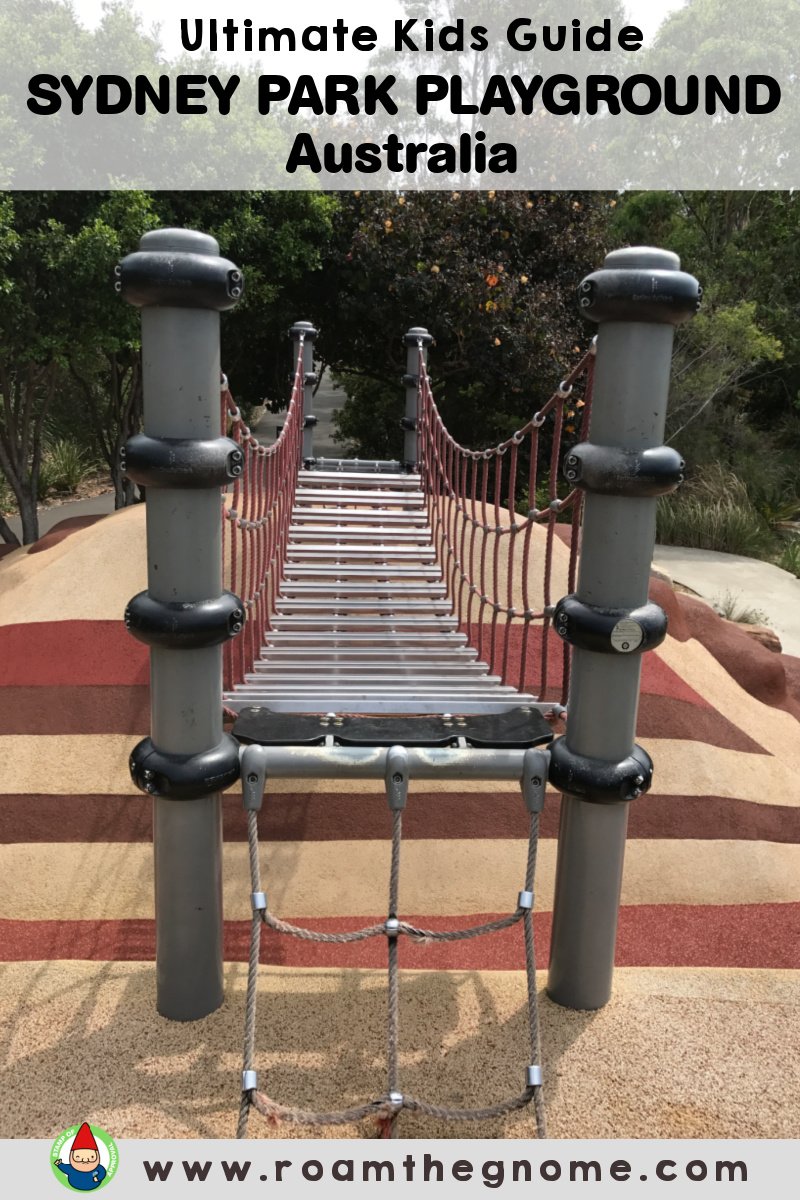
{"x": 184, "y": 626}
{"x": 409, "y": 424}
{"x": 181, "y": 462}
{"x": 310, "y": 378}
{"x": 610, "y": 630}
{"x": 253, "y": 765}
{"x": 151, "y": 278}
{"x": 535, "y": 769}
{"x": 310, "y": 420}
{"x": 410, "y": 381}
{"x": 397, "y": 778}
{"x": 661, "y": 297}
{"x": 595, "y": 779}
{"x": 610, "y": 471}
{"x": 185, "y": 776}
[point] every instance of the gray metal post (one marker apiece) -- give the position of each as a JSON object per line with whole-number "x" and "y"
{"x": 181, "y": 283}
{"x": 637, "y": 299}
{"x": 308, "y": 333}
{"x": 417, "y": 338}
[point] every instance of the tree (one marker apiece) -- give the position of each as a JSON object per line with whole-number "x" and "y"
{"x": 62, "y": 333}
{"x": 492, "y": 275}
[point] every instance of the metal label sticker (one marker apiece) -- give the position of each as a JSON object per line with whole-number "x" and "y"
{"x": 627, "y": 636}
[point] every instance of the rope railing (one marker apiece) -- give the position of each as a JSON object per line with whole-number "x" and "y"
{"x": 491, "y": 554}
{"x": 256, "y": 518}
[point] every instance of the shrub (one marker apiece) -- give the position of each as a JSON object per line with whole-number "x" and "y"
{"x": 65, "y": 465}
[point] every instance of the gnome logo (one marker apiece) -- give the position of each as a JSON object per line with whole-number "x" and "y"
{"x": 84, "y": 1158}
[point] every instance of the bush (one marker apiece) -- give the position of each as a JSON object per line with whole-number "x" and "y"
{"x": 65, "y": 465}
{"x": 730, "y": 607}
{"x": 789, "y": 558}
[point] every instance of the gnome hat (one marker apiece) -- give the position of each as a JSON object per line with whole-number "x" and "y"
{"x": 84, "y": 1139}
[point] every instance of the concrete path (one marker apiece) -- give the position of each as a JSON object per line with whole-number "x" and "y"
{"x": 48, "y": 517}
{"x": 752, "y": 583}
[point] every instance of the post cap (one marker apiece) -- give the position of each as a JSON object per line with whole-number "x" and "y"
{"x": 179, "y": 268}
{"x": 640, "y": 283}
{"x": 303, "y": 327}
{"x": 178, "y": 241}
{"x": 417, "y": 334}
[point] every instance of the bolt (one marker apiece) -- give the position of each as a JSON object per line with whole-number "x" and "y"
{"x": 237, "y": 627}
{"x": 397, "y": 777}
{"x": 536, "y": 781}
{"x": 572, "y": 461}
{"x": 118, "y": 269}
{"x": 585, "y": 302}
{"x": 118, "y": 286}
{"x": 571, "y": 474}
{"x": 252, "y": 778}
{"x": 586, "y": 286}
{"x": 639, "y": 780}
{"x": 236, "y": 276}
{"x": 236, "y": 292}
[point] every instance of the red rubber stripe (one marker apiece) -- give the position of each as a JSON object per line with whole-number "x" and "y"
{"x": 70, "y": 653}
{"x": 745, "y": 936}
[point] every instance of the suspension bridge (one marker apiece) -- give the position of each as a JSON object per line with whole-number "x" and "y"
{"x": 387, "y": 620}
{"x": 387, "y": 872}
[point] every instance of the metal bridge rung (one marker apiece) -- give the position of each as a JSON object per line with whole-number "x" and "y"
{"x": 363, "y": 589}
{"x": 327, "y": 571}
{"x": 333, "y": 605}
{"x": 380, "y": 637}
{"x": 419, "y": 706}
{"x": 455, "y": 657}
{"x": 371, "y": 537}
{"x": 369, "y": 480}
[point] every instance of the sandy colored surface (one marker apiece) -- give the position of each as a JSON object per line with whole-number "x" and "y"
{"x": 676, "y": 1053}
{"x": 61, "y": 583}
{"x": 114, "y": 880}
{"x": 68, "y": 764}
{"x": 711, "y": 1052}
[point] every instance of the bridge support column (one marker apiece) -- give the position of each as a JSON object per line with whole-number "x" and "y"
{"x": 637, "y": 299}
{"x": 180, "y": 282}
{"x": 303, "y": 332}
{"x": 416, "y": 340}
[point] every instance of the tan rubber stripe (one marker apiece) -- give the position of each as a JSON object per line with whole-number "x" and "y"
{"x": 62, "y": 584}
{"x": 114, "y": 880}
{"x": 64, "y": 765}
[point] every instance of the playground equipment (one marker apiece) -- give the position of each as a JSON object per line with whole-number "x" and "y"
{"x": 381, "y": 621}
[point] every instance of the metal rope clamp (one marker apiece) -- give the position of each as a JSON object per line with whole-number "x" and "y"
{"x": 610, "y": 630}
{"x": 610, "y": 471}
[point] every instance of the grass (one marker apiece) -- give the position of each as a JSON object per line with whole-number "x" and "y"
{"x": 789, "y": 558}
{"x": 65, "y": 465}
{"x": 730, "y": 607}
{"x": 723, "y": 523}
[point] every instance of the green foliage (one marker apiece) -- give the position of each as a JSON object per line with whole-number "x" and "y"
{"x": 65, "y": 465}
{"x": 491, "y": 274}
{"x": 731, "y": 608}
{"x": 717, "y": 524}
{"x": 789, "y": 558}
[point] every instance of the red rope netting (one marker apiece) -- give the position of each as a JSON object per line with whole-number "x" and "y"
{"x": 255, "y": 529}
{"x": 498, "y": 561}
